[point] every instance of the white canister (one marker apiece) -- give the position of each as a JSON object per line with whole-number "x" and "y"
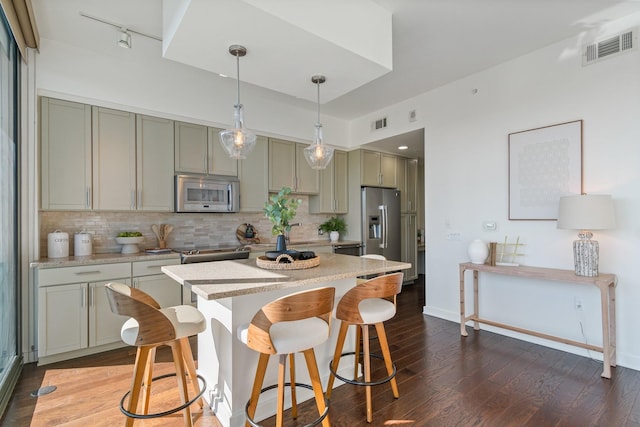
{"x": 58, "y": 244}
{"x": 82, "y": 244}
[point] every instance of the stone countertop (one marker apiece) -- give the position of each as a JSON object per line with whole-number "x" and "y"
{"x": 108, "y": 258}
{"x": 223, "y": 279}
{"x": 113, "y": 257}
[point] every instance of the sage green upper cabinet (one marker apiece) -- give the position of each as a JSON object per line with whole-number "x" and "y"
{"x": 282, "y": 164}
{"x": 198, "y": 150}
{"x": 65, "y": 138}
{"x": 154, "y": 152}
{"x": 378, "y": 169}
{"x": 408, "y": 184}
{"x": 289, "y": 168}
{"x": 114, "y": 159}
{"x": 254, "y": 188}
{"x": 218, "y": 160}
{"x": 333, "y": 197}
{"x": 190, "y": 148}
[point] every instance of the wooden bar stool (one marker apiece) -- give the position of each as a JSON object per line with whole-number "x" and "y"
{"x": 369, "y": 303}
{"x": 148, "y": 328}
{"x": 291, "y": 324}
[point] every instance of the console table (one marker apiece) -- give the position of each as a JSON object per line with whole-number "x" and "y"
{"x": 605, "y": 282}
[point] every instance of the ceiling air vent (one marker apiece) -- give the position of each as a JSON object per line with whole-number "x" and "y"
{"x": 379, "y": 124}
{"x": 611, "y": 46}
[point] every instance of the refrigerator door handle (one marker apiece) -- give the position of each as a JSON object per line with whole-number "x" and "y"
{"x": 383, "y": 238}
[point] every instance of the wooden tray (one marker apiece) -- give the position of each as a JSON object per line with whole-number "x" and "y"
{"x": 264, "y": 262}
{"x": 246, "y": 240}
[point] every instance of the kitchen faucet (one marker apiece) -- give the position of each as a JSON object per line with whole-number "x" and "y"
{"x": 286, "y": 230}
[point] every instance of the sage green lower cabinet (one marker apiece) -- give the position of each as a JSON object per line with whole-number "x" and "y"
{"x": 148, "y": 277}
{"x": 74, "y": 316}
{"x": 73, "y": 312}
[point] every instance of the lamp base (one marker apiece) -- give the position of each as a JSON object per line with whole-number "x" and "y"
{"x": 585, "y": 257}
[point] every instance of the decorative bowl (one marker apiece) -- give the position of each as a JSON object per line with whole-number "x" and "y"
{"x": 130, "y": 244}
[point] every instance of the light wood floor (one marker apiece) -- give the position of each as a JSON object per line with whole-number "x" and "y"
{"x": 445, "y": 380}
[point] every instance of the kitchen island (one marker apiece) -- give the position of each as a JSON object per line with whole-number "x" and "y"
{"x": 230, "y": 293}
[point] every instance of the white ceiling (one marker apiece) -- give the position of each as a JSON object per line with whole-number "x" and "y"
{"x": 434, "y": 42}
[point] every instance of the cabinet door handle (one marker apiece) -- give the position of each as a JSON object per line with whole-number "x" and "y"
{"x": 154, "y": 267}
{"x": 82, "y": 273}
{"x": 92, "y": 297}
{"x": 83, "y": 297}
{"x": 409, "y": 204}
{"x": 133, "y": 199}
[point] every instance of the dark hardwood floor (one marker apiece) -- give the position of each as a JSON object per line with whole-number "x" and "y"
{"x": 444, "y": 380}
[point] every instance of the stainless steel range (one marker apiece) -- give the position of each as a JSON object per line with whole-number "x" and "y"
{"x": 193, "y": 255}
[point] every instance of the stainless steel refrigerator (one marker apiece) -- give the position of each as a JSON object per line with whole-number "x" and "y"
{"x": 381, "y": 222}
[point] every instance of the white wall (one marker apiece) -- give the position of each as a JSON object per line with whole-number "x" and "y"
{"x": 465, "y": 166}
{"x": 466, "y": 182}
{"x": 143, "y": 82}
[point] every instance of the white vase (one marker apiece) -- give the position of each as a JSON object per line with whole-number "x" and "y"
{"x": 478, "y": 251}
{"x": 334, "y": 236}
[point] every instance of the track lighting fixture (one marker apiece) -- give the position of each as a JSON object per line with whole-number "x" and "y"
{"x": 125, "y": 39}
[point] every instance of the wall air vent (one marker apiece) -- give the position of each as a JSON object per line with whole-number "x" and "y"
{"x": 379, "y": 124}
{"x": 609, "y": 47}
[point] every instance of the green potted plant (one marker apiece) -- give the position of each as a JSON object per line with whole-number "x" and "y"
{"x": 334, "y": 226}
{"x": 281, "y": 209}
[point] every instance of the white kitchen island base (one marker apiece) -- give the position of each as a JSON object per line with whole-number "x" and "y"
{"x": 230, "y": 293}
{"x": 229, "y": 366}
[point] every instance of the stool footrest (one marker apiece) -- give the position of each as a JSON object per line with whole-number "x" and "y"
{"x": 271, "y": 387}
{"x": 363, "y": 383}
{"x": 170, "y": 411}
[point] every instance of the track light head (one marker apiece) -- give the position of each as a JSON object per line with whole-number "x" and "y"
{"x": 125, "y": 39}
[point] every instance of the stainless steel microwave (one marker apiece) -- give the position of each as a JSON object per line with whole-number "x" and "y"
{"x": 207, "y": 193}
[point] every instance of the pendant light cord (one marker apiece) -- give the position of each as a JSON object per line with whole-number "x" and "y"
{"x": 238, "y": 76}
{"x": 318, "y": 85}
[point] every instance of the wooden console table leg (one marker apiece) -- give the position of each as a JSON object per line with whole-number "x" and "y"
{"x": 463, "y": 329}
{"x": 606, "y": 342}
{"x": 476, "y": 324}
{"x": 612, "y": 322}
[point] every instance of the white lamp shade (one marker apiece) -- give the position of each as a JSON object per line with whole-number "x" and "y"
{"x": 586, "y": 212}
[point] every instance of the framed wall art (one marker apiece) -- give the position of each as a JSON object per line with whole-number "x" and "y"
{"x": 544, "y": 164}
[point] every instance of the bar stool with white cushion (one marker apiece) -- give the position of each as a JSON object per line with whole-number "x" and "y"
{"x": 369, "y": 303}
{"x": 291, "y": 324}
{"x": 148, "y": 328}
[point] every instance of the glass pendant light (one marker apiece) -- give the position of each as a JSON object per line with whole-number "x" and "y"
{"x": 317, "y": 154}
{"x": 239, "y": 141}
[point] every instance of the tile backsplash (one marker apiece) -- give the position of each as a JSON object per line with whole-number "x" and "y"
{"x": 190, "y": 229}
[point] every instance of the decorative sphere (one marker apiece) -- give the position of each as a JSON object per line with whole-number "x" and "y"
{"x": 478, "y": 251}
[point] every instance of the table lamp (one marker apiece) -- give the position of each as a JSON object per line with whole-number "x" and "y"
{"x": 586, "y": 212}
